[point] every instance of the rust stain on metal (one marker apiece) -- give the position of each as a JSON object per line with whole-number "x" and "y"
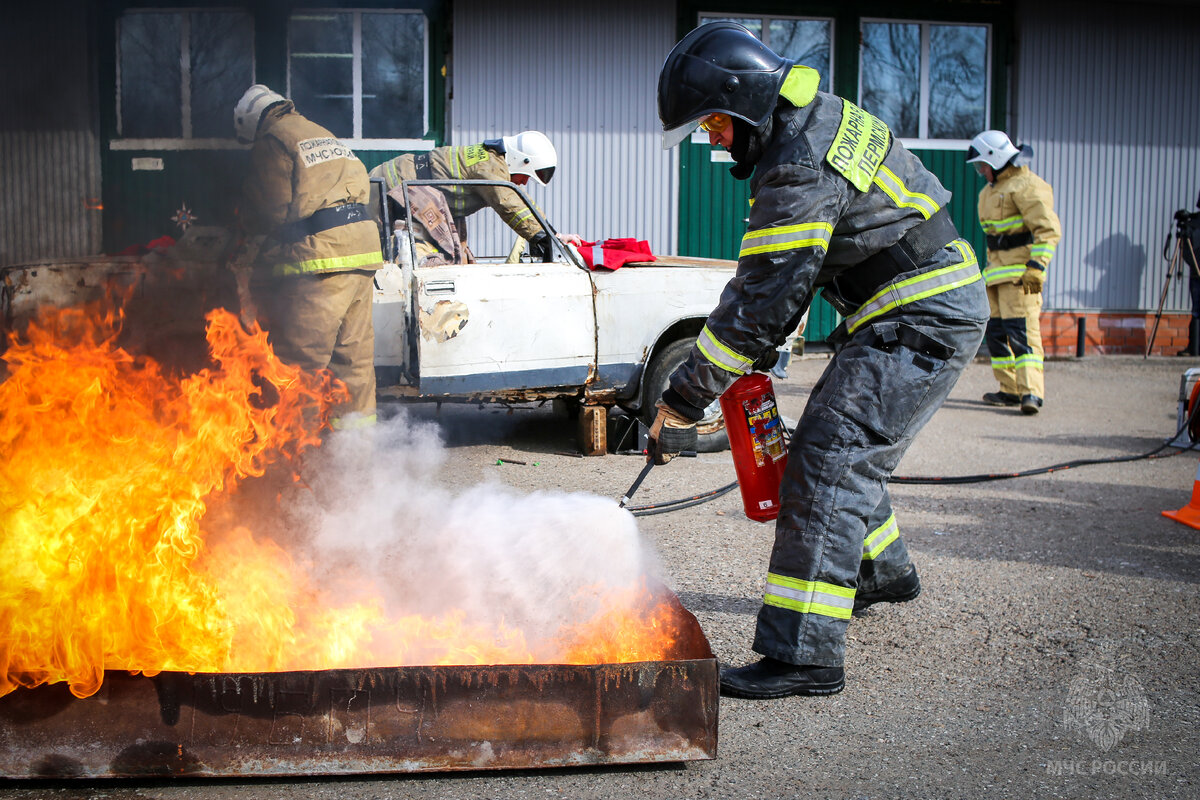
{"x": 376, "y": 720}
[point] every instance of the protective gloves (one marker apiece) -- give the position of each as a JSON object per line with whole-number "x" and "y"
{"x": 670, "y": 434}
{"x": 1034, "y": 278}
{"x": 539, "y": 247}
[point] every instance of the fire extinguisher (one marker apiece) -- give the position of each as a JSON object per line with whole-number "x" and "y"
{"x": 756, "y": 441}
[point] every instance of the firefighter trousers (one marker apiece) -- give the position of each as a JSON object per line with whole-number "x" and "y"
{"x": 1014, "y": 339}
{"x": 323, "y": 321}
{"x": 836, "y": 531}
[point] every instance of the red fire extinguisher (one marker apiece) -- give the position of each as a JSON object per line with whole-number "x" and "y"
{"x": 756, "y": 440}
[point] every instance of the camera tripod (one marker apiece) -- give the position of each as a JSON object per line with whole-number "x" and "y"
{"x": 1175, "y": 269}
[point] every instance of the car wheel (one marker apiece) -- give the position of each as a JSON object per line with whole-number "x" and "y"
{"x": 711, "y": 435}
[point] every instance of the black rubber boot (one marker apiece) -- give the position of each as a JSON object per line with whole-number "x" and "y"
{"x": 901, "y": 590}
{"x": 1031, "y": 404}
{"x": 1001, "y": 399}
{"x": 770, "y": 678}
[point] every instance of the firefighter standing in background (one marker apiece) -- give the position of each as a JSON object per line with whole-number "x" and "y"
{"x": 305, "y": 194}
{"x": 837, "y": 203}
{"x": 1016, "y": 210}
{"x": 512, "y": 158}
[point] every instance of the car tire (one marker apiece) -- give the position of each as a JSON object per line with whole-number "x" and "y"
{"x": 711, "y": 435}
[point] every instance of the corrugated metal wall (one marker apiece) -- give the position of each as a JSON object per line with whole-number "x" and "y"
{"x": 1109, "y": 97}
{"x": 49, "y": 153}
{"x": 586, "y": 76}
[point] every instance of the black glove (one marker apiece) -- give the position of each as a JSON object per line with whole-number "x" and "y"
{"x": 539, "y": 247}
{"x": 670, "y": 435}
{"x": 766, "y": 360}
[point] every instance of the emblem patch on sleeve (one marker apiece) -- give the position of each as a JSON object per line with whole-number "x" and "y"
{"x": 860, "y": 146}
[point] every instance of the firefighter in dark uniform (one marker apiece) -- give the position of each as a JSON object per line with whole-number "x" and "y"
{"x": 837, "y": 204}
{"x": 305, "y": 198}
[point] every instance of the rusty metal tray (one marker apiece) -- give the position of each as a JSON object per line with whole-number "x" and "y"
{"x": 360, "y": 721}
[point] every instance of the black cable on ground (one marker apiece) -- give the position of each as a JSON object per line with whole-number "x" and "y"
{"x": 695, "y": 500}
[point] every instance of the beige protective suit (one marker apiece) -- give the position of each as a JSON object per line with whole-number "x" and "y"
{"x": 1017, "y": 214}
{"x": 316, "y": 286}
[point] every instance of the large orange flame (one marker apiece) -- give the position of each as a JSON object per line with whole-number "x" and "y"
{"x": 107, "y": 466}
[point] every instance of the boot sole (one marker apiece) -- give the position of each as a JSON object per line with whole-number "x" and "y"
{"x": 807, "y": 691}
{"x": 902, "y": 598}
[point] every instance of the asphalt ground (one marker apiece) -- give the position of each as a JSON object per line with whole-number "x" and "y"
{"x": 1052, "y": 652}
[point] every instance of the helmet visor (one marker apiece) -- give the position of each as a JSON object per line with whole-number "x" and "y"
{"x": 544, "y": 174}
{"x": 972, "y": 154}
{"x": 677, "y": 134}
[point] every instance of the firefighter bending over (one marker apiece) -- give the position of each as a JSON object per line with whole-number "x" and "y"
{"x": 1016, "y": 210}
{"x": 512, "y": 158}
{"x": 837, "y": 204}
{"x": 306, "y": 194}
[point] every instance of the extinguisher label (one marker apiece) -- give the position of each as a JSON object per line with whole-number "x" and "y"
{"x": 762, "y": 419}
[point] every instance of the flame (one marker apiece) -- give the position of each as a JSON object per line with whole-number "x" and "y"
{"x": 108, "y": 465}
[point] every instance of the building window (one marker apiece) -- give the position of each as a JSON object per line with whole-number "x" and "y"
{"x": 804, "y": 40}
{"x": 361, "y": 74}
{"x": 926, "y": 80}
{"x": 180, "y": 73}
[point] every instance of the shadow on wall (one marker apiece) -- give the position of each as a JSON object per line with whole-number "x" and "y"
{"x": 1120, "y": 264}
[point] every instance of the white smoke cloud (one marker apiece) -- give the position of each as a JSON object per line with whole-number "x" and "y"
{"x": 383, "y": 507}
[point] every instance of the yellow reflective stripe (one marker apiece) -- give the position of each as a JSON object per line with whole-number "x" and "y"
{"x": 393, "y": 174}
{"x": 894, "y": 188}
{"x": 1043, "y": 251}
{"x": 353, "y": 422}
{"x": 329, "y": 264}
{"x": 918, "y": 287}
{"x": 786, "y": 237}
{"x": 520, "y": 216}
{"x": 1004, "y": 362}
{"x": 809, "y": 597}
{"x": 1002, "y": 273}
{"x": 881, "y": 537}
{"x": 715, "y": 351}
{"x": 1002, "y": 225}
{"x": 1029, "y": 361}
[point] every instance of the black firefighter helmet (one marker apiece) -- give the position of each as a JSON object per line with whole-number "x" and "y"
{"x": 718, "y": 68}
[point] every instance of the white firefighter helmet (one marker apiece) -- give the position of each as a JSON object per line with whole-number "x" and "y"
{"x": 530, "y": 153}
{"x": 249, "y": 110}
{"x": 993, "y": 148}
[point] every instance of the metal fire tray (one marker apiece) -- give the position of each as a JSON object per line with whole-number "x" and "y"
{"x": 359, "y": 721}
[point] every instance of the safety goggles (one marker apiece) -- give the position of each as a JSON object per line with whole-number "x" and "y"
{"x": 715, "y": 123}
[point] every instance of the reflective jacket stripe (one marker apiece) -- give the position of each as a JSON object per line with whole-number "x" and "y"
{"x": 1004, "y": 362}
{"x": 722, "y": 356}
{"x": 927, "y": 284}
{"x": 809, "y": 597}
{"x": 337, "y": 263}
{"x": 354, "y": 422}
{"x": 1043, "y": 251}
{"x": 520, "y": 216}
{"x": 1006, "y": 225}
{"x": 878, "y": 539}
{"x": 1029, "y": 361}
{"x": 786, "y": 237}
{"x": 1007, "y": 274}
{"x": 894, "y": 188}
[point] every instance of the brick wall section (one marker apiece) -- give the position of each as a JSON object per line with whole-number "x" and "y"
{"x": 1112, "y": 334}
